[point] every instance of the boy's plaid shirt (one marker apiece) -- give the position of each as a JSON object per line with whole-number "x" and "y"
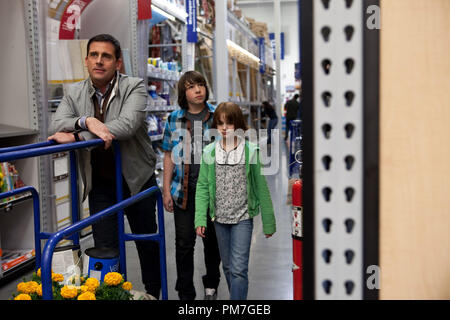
{"x": 178, "y": 123}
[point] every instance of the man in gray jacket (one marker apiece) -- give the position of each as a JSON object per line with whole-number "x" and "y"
{"x": 109, "y": 105}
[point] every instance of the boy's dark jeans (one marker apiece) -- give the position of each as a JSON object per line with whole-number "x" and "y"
{"x": 141, "y": 218}
{"x": 185, "y": 236}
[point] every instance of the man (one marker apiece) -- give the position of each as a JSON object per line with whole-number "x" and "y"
{"x": 292, "y": 108}
{"x": 110, "y": 105}
{"x": 183, "y": 144}
{"x": 269, "y": 111}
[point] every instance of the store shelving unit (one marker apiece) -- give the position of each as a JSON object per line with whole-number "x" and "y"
{"x": 22, "y": 121}
{"x": 25, "y": 117}
{"x": 248, "y": 86}
{"x": 167, "y": 79}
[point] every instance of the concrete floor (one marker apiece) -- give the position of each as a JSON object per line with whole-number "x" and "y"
{"x": 270, "y": 269}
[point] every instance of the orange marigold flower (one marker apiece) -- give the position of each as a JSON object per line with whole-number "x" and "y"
{"x": 113, "y": 278}
{"x": 92, "y": 284}
{"x": 32, "y": 286}
{"x": 22, "y": 287}
{"x": 69, "y": 292}
{"x": 84, "y": 289}
{"x": 23, "y": 296}
{"x": 39, "y": 290}
{"x": 127, "y": 286}
{"x": 86, "y": 296}
{"x": 27, "y": 287}
{"x": 57, "y": 277}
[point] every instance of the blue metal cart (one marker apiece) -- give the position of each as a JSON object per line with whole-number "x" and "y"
{"x": 44, "y": 259}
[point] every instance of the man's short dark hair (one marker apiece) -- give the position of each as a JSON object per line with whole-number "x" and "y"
{"x": 296, "y": 96}
{"x": 106, "y": 38}
{"x": 190, "y": 77}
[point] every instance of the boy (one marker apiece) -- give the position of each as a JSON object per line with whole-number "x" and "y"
{"x": 184, "y": 132}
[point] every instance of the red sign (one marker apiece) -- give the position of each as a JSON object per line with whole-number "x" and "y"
{"x": 70, "y": 17}
{"x": 144, "y": 9}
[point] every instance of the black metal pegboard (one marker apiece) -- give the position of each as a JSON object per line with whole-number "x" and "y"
{"x": 367, "y": 159}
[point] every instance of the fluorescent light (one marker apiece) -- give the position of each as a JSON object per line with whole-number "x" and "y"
{"x": 242, "y": 50}
{"x": 163, "y": 13}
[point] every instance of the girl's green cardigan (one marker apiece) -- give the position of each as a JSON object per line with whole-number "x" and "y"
{"x": 258, "y": 193}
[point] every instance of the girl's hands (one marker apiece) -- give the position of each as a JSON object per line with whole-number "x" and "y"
{"x": 268, "y": 235}
{"x": 168, "y": 202}
{"x": 201, "y": 231}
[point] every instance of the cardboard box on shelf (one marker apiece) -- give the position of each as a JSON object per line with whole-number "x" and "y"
{"x": 253, "y": 83}
{"x": 259, "y": 29}
{"x": 230, "y": 2}
{"x": 250, "y": 20}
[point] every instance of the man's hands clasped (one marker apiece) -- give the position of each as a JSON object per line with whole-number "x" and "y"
{"x": 94, "y": 126}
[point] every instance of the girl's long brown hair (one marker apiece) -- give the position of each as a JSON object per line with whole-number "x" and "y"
{"x": 233, "y": 115}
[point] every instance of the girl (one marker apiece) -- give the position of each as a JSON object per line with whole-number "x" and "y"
{"x": 230, "y": 184}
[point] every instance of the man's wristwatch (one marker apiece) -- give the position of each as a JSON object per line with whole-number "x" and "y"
{"x": 77, "y": 137}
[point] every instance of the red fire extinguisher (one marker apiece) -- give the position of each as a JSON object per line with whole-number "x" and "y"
{"x": 297, "y": 239}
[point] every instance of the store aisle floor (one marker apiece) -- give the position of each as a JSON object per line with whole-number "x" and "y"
{"x": 270, "y": 269}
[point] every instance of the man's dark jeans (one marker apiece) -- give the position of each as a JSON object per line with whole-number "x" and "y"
{"x": 185, "y": 236}
{"x": 142, "y": 220}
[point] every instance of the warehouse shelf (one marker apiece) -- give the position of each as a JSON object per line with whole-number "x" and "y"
{"x": 161, "y": 76}
{"x": 8, "y": 205}
{"x": 7, "y": 131}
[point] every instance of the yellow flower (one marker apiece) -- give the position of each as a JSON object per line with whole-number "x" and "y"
{"x": 39, "y": 290}
{"x": 32, "y": 286}
{"x": 127, "y": 286}
{"x": 86, "y": 296}
{"x": 92, "y": 284}
{"x": 84, "y": 289}
{"x": 22, "y": 287}
{"x": 27, "y": 287}
{"x": 23, "y": 296}
{"x": 57, "y": 277}
{"x": 69, "y": 292}
{"x": 38, "y": 272}
{"x": 113, "y": 278}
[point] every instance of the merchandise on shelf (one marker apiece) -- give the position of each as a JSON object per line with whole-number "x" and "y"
{"x": 156, "y": 101}
{"x": 155, "y": 125}
{"x": 12, "y": 258}
{"x": 9, "y": 180}
{"x": 159, "y": 157}
{"x": 162, "y": 70}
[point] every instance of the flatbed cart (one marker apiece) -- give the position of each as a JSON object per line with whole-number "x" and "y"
{"x": 44, "y": 258}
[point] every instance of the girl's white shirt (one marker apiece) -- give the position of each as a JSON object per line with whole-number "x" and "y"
{"x": 232, "y": 157}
